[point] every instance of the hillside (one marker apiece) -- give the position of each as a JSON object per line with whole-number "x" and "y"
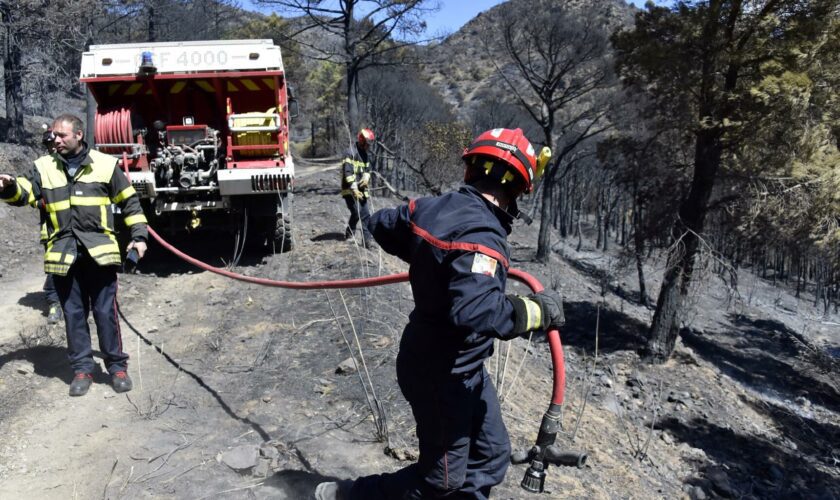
{"x": 244, "y": 392}
{"x": 464, "y": 67}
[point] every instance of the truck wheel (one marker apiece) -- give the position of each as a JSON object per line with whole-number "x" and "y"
{"x": 283, "y": 240}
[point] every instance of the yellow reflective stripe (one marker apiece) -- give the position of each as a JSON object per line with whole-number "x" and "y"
{"x": 133, "y": 88}
{"x": 53, "y": 256}
{"x": 57, "y": 206}
{"x": 249, "y": 84}
{"x": 179, "y": 86}
{"x": 350, "y": 178}
{"x": 205, "y": 86}
{"x": 103, "y": 249}
{"x": 15, "y": 197}
{"x": 124, "y": 194}
{"x": 60, "y": 269}
{"x": 135, "y": 219}
{"x": 89, "y": 201}
{"x": 54, "y": 220}
{"x": 68, "y": 258}
{"x": 534, "y": 314}
{"x": 103, "y": 217}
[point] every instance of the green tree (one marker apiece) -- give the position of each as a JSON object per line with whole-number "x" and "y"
{"x": 704, "y": 65}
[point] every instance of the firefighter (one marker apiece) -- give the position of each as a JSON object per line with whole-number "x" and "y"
{"x": 458, "y": 257}
{"x": 355, "y": 182}
{"x": 75, "y": 187}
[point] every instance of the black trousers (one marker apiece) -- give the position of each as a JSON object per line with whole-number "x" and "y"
{"x": 358, "y": 211}
{"x": 464, "y": 445}
{"x": 49, "y": 290}
{"x": 91, "y": 287}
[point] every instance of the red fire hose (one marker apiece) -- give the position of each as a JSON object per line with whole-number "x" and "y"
{"x": 553, "y": 335}
{"x": 541, "y": 454}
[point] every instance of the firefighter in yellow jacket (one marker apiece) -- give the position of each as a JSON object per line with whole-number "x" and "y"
{"x": 355, "y": 181}
{"x": 74, "y": 187}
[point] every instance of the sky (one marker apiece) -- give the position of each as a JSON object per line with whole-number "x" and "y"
{"x": 455, "y": 13}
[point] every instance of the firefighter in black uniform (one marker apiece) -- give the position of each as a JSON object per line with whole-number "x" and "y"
{"x": 75, "y": 187}
{"x": 458, "y": 258}
{"x": 355, "y": 181}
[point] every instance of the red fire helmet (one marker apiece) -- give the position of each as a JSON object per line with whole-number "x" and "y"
{"x": 508, "y": 146}
{"x": 366, "y": 136}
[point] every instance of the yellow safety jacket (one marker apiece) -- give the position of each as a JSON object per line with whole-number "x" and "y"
{"x": 354, "y": 169}
{"x": 77, "y": 210}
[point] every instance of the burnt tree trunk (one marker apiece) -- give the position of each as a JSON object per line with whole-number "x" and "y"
{"x": 12, "y": 79}
{"x": 683, "y": 252}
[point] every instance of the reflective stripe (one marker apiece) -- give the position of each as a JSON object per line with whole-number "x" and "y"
{"x": 68, "y": 258}
{"x": 15, "y": 197}
{"x": 124, "y": 194}
{"x": 53, "y": 256}
{"x": 103, "y": 249}
{"x": 54, "y": 220}
{"x": 59, "y": 205}
{"x": 350, "y": 178}
{"x": 453, "y": 245}
{"x": 135, "y": 219}
{"x": 89, "y": 201}
{"x": 103, "y": 217}
{"x": 534, "y": 319}
{"x": 60, "y": 269}
{"x": 24, "y": 185}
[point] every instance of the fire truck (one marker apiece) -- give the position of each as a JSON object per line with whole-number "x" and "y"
{"x": 203, "y": 130}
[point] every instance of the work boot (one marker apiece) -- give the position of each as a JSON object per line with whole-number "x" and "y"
{"x": 348, "y": 234}
{"x": 80, "y": 384}
{"x": 54, "y": 315}
{"x": 370, "y": 243}
{"x": 121, "y": 382}
{"x": 339, "y": 490}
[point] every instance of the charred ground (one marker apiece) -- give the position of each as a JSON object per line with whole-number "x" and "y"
{"x": 243, "y": 391}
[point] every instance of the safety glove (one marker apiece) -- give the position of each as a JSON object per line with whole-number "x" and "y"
{"x": 357, "y": 193}
{"x": 365, "y": 182}
{"x": 538, "y": 311}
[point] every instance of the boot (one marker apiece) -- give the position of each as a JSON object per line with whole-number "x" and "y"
{"x": 55, "y": 313}
{"x": 121, "y": 382}
{"x": 80, "y": 384}
{"x": 348, "y": 234}
{"x": 339, "y": 490}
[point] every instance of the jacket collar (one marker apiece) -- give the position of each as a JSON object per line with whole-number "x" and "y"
{"x": 505, "y": 219}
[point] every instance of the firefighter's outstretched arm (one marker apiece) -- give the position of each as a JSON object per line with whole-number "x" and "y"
{"x": 18, "y": 191}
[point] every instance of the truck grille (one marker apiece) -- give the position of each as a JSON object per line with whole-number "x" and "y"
{"x": 273, "y": 182}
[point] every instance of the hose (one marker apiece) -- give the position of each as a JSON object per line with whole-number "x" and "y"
{"x": 551, "y": 423}
{"x": 553, "y": 335}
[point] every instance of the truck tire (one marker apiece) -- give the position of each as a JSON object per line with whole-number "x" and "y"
{"x": 283, "y": 239}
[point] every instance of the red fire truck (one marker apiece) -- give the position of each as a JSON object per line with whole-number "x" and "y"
{"x": 203, "y": 128}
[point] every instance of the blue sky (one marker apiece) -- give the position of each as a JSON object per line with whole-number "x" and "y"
{"x": 454, "y": 13}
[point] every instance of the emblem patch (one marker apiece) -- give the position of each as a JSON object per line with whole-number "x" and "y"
{"x": 482, "y": 264}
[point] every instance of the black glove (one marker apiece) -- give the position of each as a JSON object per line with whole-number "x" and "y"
{"x": 539, "y": 311}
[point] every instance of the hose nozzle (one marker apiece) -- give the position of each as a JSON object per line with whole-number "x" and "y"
{"x": 534, "y": 479}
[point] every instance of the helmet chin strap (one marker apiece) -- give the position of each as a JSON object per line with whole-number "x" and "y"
{"x": 513, "y": 209}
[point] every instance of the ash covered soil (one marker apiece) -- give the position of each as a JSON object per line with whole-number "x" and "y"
{"x": 244, "y": 391}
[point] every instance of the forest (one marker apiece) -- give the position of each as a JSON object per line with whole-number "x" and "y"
{"x": 702, "y": 133}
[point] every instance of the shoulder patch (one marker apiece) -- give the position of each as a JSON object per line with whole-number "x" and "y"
{"x": 483, "y": 264}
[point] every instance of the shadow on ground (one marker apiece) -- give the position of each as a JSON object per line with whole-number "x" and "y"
{"x": 48, "y": 361}
{"x": 35, "y": 300}
{"x": 750, "y": 466}
{"x": 214, "y": 249}
{"x": 617, "y": 331}
{"x": 334, "y": 236}
{"x": 761, "y": 355}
